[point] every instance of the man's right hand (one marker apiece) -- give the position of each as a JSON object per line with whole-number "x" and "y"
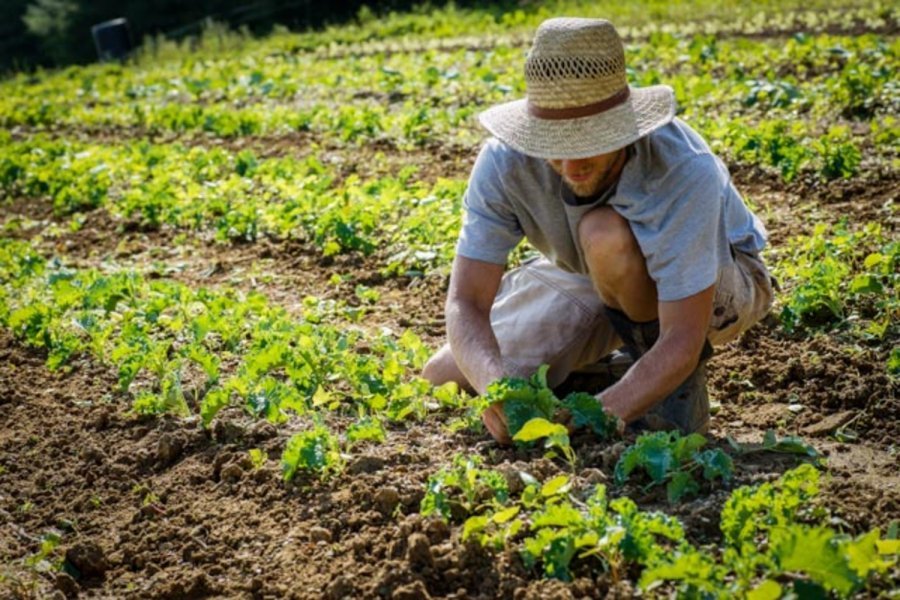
{"x": 495, "y": 421}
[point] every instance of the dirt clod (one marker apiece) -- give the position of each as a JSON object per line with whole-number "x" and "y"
{"x": 386, "y": 500}
{"x": 231, "y": 473}
{"x": 829, "y": 423}
{"x": 88, "y": 558}
{"x": 169, "y": 448}
{"x": 341, "y": 587}
{"x": 66, "y": 584}
{"x": 412, "y": 591}
{"x": 418, "y": 551}
{"x": 320, "y": 534}
{"x": 366, "y": 464}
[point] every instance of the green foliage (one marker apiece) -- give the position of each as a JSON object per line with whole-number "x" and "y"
{"x": 555, "y": 436}
{"x": 154, "y": 332}
{"x": 367, "y": 429}
{"x": 787, "y": 445}
{"x": 258, "y": 457}
{"x": 527, "y": 400}
{"x": 676, "y": 460}
{"x": 523, "y": 399}
{"x": 463, "y": 487}
{"x": 315, "y": 451}
{"x": 842, "y": 277}
{"x": 586, "y": 411}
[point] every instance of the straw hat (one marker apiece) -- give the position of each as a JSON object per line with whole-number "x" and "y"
{"x": 578, "y": 103}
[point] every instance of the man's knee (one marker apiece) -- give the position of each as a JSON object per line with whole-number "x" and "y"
{"x": 603, "y": 234}
{"x": 442, "y": 367}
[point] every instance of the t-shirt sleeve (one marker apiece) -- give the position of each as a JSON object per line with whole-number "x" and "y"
{"x": 490, "y": 229}
{"x": 683, "y": 236}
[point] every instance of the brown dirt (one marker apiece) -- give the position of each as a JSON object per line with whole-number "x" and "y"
{"x": 159, "y": 508}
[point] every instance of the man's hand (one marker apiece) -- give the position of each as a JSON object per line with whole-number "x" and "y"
{"x": 683, "y": 325}
{"x": 495, "y": 421}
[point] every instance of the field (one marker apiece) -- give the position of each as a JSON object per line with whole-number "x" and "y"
{"x": 223, "y": 265}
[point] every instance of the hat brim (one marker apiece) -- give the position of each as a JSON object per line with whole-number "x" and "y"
{"x": 646, "y": 109}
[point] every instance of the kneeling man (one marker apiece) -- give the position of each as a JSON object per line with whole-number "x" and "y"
{"x": 644, "y": 240}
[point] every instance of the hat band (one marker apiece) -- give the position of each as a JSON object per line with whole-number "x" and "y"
{"x": 576, "y": 112}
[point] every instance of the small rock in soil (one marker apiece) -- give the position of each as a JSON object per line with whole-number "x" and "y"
{"x": 437, "y": 531}
{"x": 93, "y": 454}
{"x": 231, "y": 473}
{"x": 412, "y": 591}
{"x": 168, "y": 449}
{"x": 386, "y": 500}
{"x": 340, "y": 588}
{"x": 319, "y": 534}
{"x": 829, "y": 423}
{"x": 418, "y": 551}
{"x": 226, "y": 432}
{"x": 88, "y": 558}
{"x": 263, "y": 430}
{"x": 101, "y": 422}
{"x": 66, "y": 584}
{"x": 366, "y": 464}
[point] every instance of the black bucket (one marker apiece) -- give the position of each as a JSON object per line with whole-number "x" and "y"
{"x": 112, "y": 39}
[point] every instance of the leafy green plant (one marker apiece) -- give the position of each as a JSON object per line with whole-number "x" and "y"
{"x": 315, "y": 451}
{"x": 837, "y": 273}
{"x": 676, "y": 460}
{"x": 464, "y": 487}
{"x": 771, "y": 531}
{"x": 555, "y": 436}
{"x": 524, "y": 400}
{"x": 258, "y": 457}
{"x": 790, "y": 444}
{"x": 366, "y": 429}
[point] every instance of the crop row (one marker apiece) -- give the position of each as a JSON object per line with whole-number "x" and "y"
{"x": 187, "y": 352}
{"x": 450, "y": 78}
{"x": 431, "y": 97}
{"x": 768, "y": 100}
{"x": 761, "y": 24}
{"x": 846, "y": 280}
{"x": 846, "y": 277}
{"x": 239, "y": 197}
{"x": 194, "y": 352}
{"x": 454, "y": 27}
{"x": 776, "y": 542}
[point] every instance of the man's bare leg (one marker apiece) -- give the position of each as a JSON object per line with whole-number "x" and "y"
{"x": 442, "y": 367}
{"x": 619, "y": 272}
{"x": 616, "y": 264}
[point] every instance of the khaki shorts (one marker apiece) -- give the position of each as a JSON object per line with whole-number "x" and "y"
{"x": 543, "y": 314}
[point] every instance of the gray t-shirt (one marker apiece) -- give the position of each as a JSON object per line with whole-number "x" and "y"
{"x": 677, "y": 196}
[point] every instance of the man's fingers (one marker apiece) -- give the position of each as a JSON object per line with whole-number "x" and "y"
{"x": 496, "y": 424}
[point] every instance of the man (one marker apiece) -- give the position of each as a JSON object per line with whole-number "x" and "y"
{"x": 644, "y": 240}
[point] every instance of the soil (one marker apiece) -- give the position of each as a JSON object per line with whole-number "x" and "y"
{"x": 161, "y": 508}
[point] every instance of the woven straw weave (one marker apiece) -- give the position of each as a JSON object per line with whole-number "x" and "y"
{"x": 574, "y": 63}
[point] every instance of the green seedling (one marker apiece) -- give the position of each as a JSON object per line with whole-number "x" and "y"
{"x": 667, "y": 457}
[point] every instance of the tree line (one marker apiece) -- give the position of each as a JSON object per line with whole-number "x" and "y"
{"x": 52, "y": 33}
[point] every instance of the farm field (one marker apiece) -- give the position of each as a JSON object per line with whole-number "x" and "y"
{"x": 223, "y": 265}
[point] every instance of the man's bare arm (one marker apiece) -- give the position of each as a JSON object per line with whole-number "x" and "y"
{"x": 683, "y": 326}
{"x": 473, "y": 286}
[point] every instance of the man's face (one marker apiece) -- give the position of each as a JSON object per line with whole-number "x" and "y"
{"x": 588, "y": 176}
